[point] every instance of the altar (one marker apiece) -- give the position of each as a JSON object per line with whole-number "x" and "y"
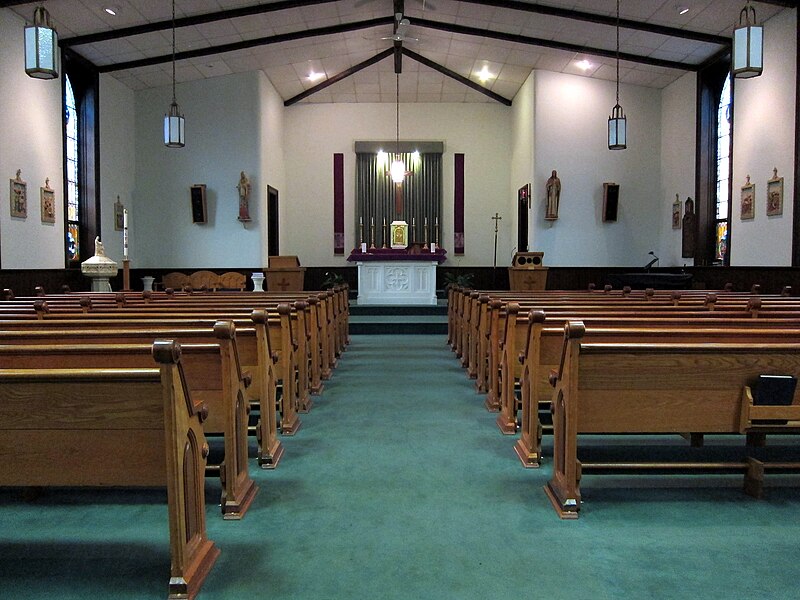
{"x": 391, "y": 277}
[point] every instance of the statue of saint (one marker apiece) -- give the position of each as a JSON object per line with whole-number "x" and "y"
{"x": 244, "y": 195}
{"x": 553, "y": 188}
{"x": 689, "y": 230}
{"x": 98, "y": 247}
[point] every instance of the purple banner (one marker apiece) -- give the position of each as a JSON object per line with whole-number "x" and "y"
{"x": 338, "y": 203}
{"x": 458, "y": 205}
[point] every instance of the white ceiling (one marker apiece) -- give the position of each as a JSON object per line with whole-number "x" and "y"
{"x": 287, "y": 64}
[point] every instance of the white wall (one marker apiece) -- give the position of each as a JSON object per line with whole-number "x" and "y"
{"x": 571, "y": 117}
{"x": 763, "y": 138}
{"x": 272, "y": 158}
{"x": 678, "y": 133}
{"x": 522, "y": 143}
{"x": 314, "y": 132}
{"x": 117, "y": 164}
{"x": 30, "y": 140}
{"x": 223, "y": 138}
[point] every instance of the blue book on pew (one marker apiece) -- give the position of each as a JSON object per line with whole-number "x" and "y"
{"x": 775, "y": 390}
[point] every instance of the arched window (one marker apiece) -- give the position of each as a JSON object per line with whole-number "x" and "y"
{"x": 715, "y": 108}
{"x": 81, "y": 161}
{"x": 723, "y": 162}
{"x": 71, "y": 129}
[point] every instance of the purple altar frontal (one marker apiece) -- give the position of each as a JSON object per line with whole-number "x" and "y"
{"x": 413, "y": 253}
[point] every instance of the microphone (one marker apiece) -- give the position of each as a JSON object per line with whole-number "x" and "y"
{"x": 652, "y": 262}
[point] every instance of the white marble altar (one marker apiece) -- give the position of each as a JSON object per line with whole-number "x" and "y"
{"x": 397, "y": 282}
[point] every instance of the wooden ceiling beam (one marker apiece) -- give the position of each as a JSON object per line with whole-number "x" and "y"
{"x": 336, "y": 78}
{"x": 233, "y": 13}
{"x": 577, "y": 15}
{"x": 264, "y": 41}
{"x": 453, "y": 75}
{"x": 531, "y": 41}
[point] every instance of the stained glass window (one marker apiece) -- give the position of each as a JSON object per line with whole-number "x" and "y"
{"x": 73, "y": 196}
{"x": 723, "y": 172}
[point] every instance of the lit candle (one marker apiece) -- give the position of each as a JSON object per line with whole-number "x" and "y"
{"x": 360, "y": 220}
{"x": 125, "y": 234}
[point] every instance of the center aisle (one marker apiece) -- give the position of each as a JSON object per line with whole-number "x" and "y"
{"x": 396, "y": 486}
{"x": 399, "y": 486}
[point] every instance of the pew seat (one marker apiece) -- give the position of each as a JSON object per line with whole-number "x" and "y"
{"x": 657, "y": 388}
{"x": 115, "y": 427}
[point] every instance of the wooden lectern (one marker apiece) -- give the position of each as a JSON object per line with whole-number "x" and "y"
{"x": 527, "y": 273}
{"x": 284, "y": 274}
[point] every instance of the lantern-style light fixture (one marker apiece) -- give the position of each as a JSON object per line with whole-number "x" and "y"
{"x": 617, "y": 123}
{"x": 174, "y": 123}
{"x": 41, "y": 46}
{"x": 397, "y": 170}
{"x": 748, "y": 45}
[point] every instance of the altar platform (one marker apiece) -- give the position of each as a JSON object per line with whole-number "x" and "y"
{"x": 388, "y": 276}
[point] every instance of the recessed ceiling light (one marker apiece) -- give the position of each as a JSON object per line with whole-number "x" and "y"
{"x": 583, "y": 64}
{"x": 682, "y": 10}
{"x": 314, "y": 76}
{"x": 484, "y": 74}
{"x": 111, "y": 10}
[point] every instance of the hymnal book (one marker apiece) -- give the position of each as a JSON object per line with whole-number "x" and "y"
{"x": 774, "y": 390}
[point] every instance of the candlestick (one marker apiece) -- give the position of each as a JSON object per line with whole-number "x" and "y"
{"x": 125, "y": 233}
{"x": 372, "y": 233}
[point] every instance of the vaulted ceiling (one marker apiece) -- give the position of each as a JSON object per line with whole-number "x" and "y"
{"x": 442, "y": 50}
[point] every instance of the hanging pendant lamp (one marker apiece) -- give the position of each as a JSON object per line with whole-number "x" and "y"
{"x": 617, "y": 123}
{"x": 748, "y": 45}
{"x": 398, "y": 167}
{"x": 41, "y": 47}
{"x": 174, "y": 123}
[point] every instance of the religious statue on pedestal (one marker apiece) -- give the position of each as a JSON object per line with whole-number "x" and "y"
{"x": 689, "y": 230}
{"x": 553, "y": 189}
{"x": 244, "y": 194}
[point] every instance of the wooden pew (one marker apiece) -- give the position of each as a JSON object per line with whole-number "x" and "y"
{"x": 213, "y": 377}
{"x": 661, "y": 388}
{"x": 543, "y": 351}
{"x": 509, "y": 333}
{"x": 256, "y": 359}
{"x": 311, "y": 330}
{"x": 56, "y": 425}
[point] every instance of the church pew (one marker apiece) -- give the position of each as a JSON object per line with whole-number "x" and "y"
{"x": 334, "y": 305}
{"x": 213, "y": 377}
{"x": 278, "y": 327}
{"x": 509, "y": 334}
{"x": 257, "y": 360}
{"x": 320, "y": 335}
{"x": 660, "y": 388}
{"x": 541, "y": 355}
{"x": 458, "y": 314}
{"x": 506, "y": 335}
{"x": 51, "y": 416}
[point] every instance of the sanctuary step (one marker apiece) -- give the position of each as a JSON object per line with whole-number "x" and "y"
{"x": 402, "y": 320}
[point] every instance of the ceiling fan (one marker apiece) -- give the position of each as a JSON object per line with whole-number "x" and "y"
{"x": 425, "y": 4}
{"x": 401, "y": 30}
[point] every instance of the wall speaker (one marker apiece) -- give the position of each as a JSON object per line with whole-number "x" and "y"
{"x": 610, "y": 201}
{"x": 198, "y": 195}
{"x": 527, "y": 260}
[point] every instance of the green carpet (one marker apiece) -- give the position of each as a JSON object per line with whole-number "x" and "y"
{"x": 399, "y": 485}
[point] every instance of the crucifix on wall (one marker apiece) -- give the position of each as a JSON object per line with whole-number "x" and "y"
{"x": 398, "y": 198}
